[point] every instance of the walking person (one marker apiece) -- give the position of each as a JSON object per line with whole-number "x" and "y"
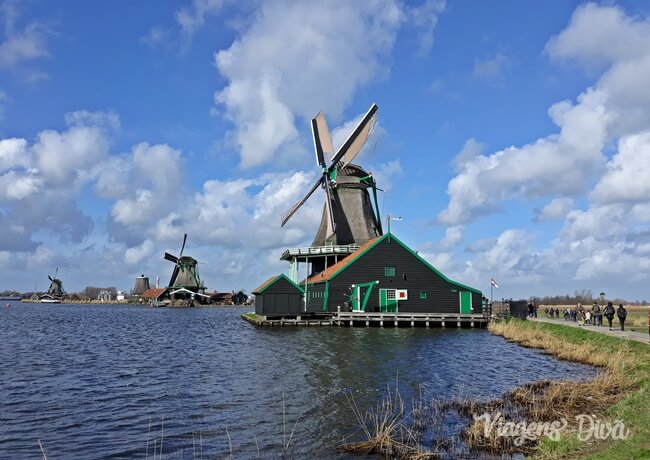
{"x": 580, "y": 316}
{"x": 621, "y": 312}
{"x": 609, "y": 314}
{"x": 595, "y": 313}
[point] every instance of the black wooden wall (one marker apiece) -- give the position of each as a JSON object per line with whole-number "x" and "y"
{"x": 280, "y": 299}
{"x": 410, "y": 273}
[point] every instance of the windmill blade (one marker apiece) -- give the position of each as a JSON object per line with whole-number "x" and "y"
{"x": 329, "y": 202}
{"x": 292, "y": 210}
{"x": 50, "y": 278}
{"x": 322, "y": 139}
{"x": 355, "y": 141}
{"x": 171, "y": 257}
{"x": 174, "y": 275}
{"x": 183, "y": 247}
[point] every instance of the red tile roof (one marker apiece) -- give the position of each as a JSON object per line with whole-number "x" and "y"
{"x": 265, "y": 284}
{"x": 153, "y": 293}
{"x": 332, "y": 269}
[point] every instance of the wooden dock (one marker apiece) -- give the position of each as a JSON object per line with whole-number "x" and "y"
{"x": 363, "y": 319}
{"x": 356, "y": 319}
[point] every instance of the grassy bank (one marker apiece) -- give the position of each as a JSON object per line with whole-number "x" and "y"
{"x": 620, "y": 392}
{"x": 619, "y": 395}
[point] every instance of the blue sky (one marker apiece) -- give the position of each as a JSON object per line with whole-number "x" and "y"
{"x": 513, "y": 137}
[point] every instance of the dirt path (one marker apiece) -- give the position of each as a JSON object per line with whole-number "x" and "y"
{"x": 615, "y": 332}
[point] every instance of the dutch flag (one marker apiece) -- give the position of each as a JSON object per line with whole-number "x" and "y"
{"x": 494, "y": 283}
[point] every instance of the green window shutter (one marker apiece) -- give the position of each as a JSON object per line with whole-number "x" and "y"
{"x": 423, "y": 294}
{"x": 389, "y": 271}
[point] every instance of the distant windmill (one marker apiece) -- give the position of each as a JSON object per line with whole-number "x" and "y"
{"x": 56, "y": 285}
{"x": 141, "y": 285}
{"x": 186, "y": 272}
{"x": 348, "y": 216}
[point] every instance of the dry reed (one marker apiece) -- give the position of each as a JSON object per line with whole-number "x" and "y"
{"x": 548, "y": 401}
{"x": 392, "y": 431}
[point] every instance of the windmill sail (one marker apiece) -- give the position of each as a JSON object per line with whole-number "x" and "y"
{"x": 185, "y": 273}
{"x": 322, "y": 140}
{"x": 348, "y": 215}
{"x": 358, "y": 138}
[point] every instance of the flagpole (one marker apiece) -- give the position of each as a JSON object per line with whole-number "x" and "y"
{"x": 491, "y": 288}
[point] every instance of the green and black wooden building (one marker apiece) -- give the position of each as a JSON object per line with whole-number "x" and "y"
{"x": 383, "y": 275}
{"x": 351, "y": 265}
{"x": 279, "y": 296}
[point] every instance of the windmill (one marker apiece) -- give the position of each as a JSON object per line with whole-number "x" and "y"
{"x": 141, "y": 285}
{"x": 56, "y": 285}
{"x": 186, "y": 271}
{"x": 348, "y": 216}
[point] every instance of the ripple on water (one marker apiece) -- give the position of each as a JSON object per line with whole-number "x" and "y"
{"x": 96, "y": 381}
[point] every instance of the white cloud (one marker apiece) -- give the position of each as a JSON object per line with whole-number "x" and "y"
{"x": 385, "y": 173}
{"x": 601, "y": 34}
{"x": 245, "y": 213}
{"x": 62, "y": 157}
{"x": 491, "y": 67}
{"x": 147, "y": 184}
{"x": 334, "y": 48}
{"x": 13, "y": 154}
{"x": 602, "y": 222}
{"x": 627, "y": 178}
{"x": 109, "y": 121}
{"x": 471, "y": 149}
{"x": 192, "y": 18}
{"x": 155, "y": 36}
{"x": 41, "y": 257}
{"x": 425, "y": 18}
{"x": 453, "y": 236}
{"x": 20, "y": 45}
{"x": 16, "y": 186}
{"x": 557, "y": 208}
{"x": 569, "y": 162}
{"x": 137, "y": 254}
{"x": 39, "y": 183}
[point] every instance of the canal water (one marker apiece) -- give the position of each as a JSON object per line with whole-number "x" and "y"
{"x": 99, "y": 381}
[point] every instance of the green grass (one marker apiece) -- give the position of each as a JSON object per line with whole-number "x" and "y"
{"x": 633, "y": 409}
{"x": 251, "y": 317}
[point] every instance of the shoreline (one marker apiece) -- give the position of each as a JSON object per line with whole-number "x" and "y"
{"x": 123, "y": 302}
{"x": 625, "y": 366}
{"x": 604, "y": 417}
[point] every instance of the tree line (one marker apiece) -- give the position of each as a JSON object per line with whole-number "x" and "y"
{"x": 583, "y": 296}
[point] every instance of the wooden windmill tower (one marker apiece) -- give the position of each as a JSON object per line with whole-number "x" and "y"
{"x": 56, "y": 285}
{"x": 348, "y": 216}
{"x": 185, "y": 275}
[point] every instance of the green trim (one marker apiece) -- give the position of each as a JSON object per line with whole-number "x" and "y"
{"x": 370, "y": 285}
{"x": 387, "y": 305}
{"x": 362, "y": 303}
{"x": 392, "y": 238}
{"x": 327, "y": 295}
{"x": 278, "y": 278}
{"x": 465, "y": 302}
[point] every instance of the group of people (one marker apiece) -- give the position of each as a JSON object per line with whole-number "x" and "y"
{"x": 594, "y": 315}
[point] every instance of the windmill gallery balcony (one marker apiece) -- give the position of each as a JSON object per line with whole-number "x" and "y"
{"x": 322, "y": 255}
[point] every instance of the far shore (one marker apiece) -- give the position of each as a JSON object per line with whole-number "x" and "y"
{"x": 120, "y": 302}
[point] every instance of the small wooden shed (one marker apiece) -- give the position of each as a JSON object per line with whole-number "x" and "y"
{"x": 279, "y": 296}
